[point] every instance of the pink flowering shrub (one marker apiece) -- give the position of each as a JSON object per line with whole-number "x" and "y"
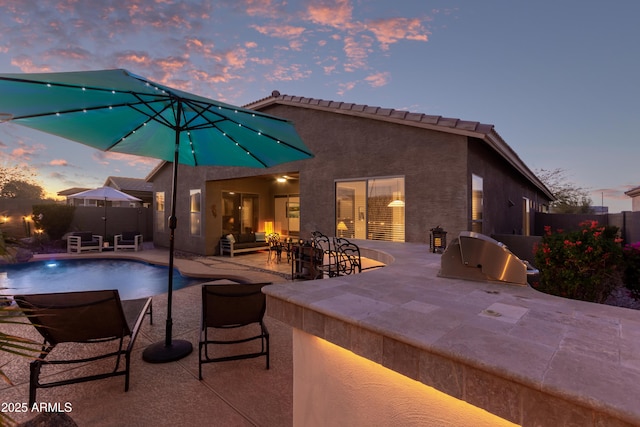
{"x": 584, "y": 264}
{"x": 632, "y": 268}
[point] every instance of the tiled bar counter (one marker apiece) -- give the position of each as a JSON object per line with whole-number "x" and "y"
{"x": 400, "y": 345}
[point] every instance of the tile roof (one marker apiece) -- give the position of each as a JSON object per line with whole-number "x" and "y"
{"x": 72, "y": 190}
{"x": 128, "y": 184}
{"x": 449, "y": 123}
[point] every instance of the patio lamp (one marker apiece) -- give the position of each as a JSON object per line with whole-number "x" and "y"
{"x": 268, "y": 227}
{"x": 438, "y": 240}
{"x": 342, "y": 227}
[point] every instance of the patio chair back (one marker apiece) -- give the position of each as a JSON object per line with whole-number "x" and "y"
{"x": 233, "y": 306}
{"x": 86, "y": 317}
{"x": 348, "y": 257}
{"x": 76, "y": 316}
{"x": 328, "y": 263}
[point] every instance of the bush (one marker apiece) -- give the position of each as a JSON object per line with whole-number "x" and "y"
{"x": 54, "y": 220}
{"x": 585, "y": 265}
{"x": 632, "y": 268}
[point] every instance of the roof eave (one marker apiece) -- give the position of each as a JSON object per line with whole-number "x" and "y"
{"x": 496, "y": 142}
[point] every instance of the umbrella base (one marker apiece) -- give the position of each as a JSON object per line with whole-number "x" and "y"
{"x": 160, "y": 353}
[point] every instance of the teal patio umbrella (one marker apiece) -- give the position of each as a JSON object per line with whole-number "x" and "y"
{"x": 115, "y": 110}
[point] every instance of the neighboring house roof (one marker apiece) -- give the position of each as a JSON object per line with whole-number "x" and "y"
{"x": 136, "y": 187}
{"x": 128, "y": 184}
{"x": 485, "y": 132}
{"x": 634, "y": 192}
{"x": 72, "y": 190}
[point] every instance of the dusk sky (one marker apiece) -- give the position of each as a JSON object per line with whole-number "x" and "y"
{"x": 560, "y": 80}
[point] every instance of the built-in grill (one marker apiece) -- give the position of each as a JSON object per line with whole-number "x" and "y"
{"x": 474, "y": 256}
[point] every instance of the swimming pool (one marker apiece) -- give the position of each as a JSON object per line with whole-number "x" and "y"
{"x": 133, "y": 279}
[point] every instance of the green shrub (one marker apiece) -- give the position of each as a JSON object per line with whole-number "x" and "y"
{"x": 584, "y": 265}
{"x": 632, "y": 268}
{"x": 54, "y": 220}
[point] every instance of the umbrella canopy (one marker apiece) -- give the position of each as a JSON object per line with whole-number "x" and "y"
{"x": 109, "y": 194}
{"x": 115, "y": 110}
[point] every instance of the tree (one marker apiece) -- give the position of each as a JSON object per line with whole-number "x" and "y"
{"x": 18, "y": 189}
{"x": 570, "y": 198}
{"x": 16, "y": 173}
{"x": 54, "y": 219}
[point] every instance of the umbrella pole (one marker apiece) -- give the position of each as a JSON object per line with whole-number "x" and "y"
{"x": 105, "y": 219}
{"x": 170, "y": 350}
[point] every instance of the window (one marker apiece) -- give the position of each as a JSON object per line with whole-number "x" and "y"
{"x": 371, "y": 209}
{"x": 195, "y": 217}
{"x": 477, "y": 196}
{"x": 240, "y": 212}
{"x": 159, "y": 213}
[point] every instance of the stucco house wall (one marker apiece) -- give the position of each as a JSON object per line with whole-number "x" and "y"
{"x": 436, "y": 156}
{"x": 349, "y": 147}
{"x": 504, "y": 190}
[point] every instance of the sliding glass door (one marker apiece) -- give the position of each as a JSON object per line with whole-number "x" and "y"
{"x": 371, "y": 208}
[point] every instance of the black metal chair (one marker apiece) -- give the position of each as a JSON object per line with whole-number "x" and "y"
{"x": 275, "y": 247}
{"x": 88, "y": 317}
{"x": 328, "y": 263}
{"x": 348, "y": 257}
{"x": 233, "y": 306}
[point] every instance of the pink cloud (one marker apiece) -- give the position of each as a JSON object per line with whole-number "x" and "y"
{"x": 333, "y": 13}
{"x": 26, "y": 65}
{"x": 131, "y": 57}
{"x": 25, "y": 152}
{"x": 329, "y": 69}
{"x": 378, "y": 79}
{"x": 204, "y": 76}
{"x": 388, "y": 31}
{"x": 107, "y": 157}
{"x": 75, "y": 54}
{"x": 58, "y": 162}
{"x": 345, "y": 87}
{"x": 280, "y": 31}
{"x": 100, "y": 158}
{"x": 357, "y": 52}
{"x": 235, "y": 58}
{"x": 258, "y": 7}
{"x": 288, "y": 73}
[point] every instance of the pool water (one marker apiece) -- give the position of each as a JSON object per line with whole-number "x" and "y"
{"x": 133, "y": 279}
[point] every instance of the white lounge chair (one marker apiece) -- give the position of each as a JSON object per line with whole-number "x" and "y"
{"x": 128, "y": 240}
